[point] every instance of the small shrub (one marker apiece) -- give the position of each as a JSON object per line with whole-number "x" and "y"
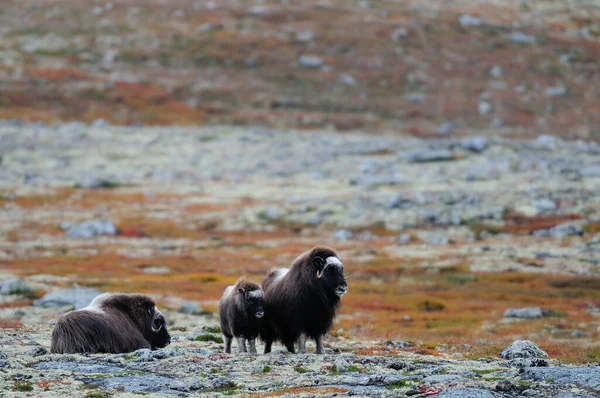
{"x": 209, "y": 337}
{"x": 22, "y": 386}
{"x": 211, "y": 329}
{"x": 98, "y": 394}
{"x": 399, "y": 384}
{"x": 300, "y": 369}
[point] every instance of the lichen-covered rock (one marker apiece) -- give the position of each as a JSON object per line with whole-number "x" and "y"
{"x": 15, "y": 286}
{"x": 523, "y": 349}
{"x": 78, "y": 298}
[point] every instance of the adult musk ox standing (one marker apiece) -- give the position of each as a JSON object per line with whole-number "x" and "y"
{"x": 240, "y": 311}
{"x": 112, "y": 323}
{"x": 302, "y": 301}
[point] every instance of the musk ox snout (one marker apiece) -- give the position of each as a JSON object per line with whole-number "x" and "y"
{"x": 259, "y": 313}
{"x": 341, "y": 290}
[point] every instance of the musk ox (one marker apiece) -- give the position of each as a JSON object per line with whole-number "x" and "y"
{"x": 112, "y": 323}
{"x": 240, "y": 311}
{"x": 301, "y": 301}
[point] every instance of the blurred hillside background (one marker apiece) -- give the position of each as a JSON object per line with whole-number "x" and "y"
{"x": 448, "y": 149}
{"x": 426, "y": 68}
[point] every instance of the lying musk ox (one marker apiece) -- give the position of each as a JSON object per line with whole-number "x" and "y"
{"x": 112, "y": 323}
{"x": 241, "y": 310}
{"x": 301, "y": 301}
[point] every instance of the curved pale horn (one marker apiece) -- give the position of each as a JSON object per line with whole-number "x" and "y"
{"x": 320, "y": 274}
{"x": 157, "y": 329}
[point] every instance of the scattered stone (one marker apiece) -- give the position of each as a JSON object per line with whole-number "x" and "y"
{"x": 91, "y": 181}
{"x": 37, "y": 351}
{"x": 139, "y": 384}
{"x": 524, "y": 313}
{"x": 576, "y": 334}
{"x": 484, "y": 107}
{"x": 399, "y": 34}
{"x": 465, "y": 392}
{"x": 592, "y": 170}
{"x": 92, "y": 228}
{"x": 588, "y": 377}
{"x": 399, "y": 201}
{"x": 557, "y": 91}
{"x": 416, "y": 97}
{"x": 272, "y": 213}
{"x": 159, "y": 270}
{"x": 78, "y": 298}
{"x": 100, "y": 123}
{"x": 15, "y": 286}
{"x": 446, "y": 128}
{"x": 522, "y": 38}
{"x": 78, "y": 367}
{"x": 544, "y": 204}
{"x": 547, "y": 142}
{"x": 343, "y": 234}
{"x": 311, "y": 61}
{"x": 429, "y": 155}
{"x": 305, "y": 35}
{"x": 347, "y": 79}
{"x": 475, "y": 144}
{"x": 560, "y": 231}
{"x": 399, "y": 344}
{"x": 445, "y": 378}
{"x": 376, "y": 180}
{"x": 437, "y": 238}
{"x": 341, "y": 365}
{"x": 496, "y": 71}
{"x": 505, "y": 385}
{"x": 191, "y": 308}
{"x": 523, "y": 349}
{"x": 403, "y": 239}
{"x": 467, "y": 20}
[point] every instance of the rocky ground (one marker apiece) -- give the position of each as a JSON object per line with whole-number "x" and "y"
{"x": 454, "y": 244}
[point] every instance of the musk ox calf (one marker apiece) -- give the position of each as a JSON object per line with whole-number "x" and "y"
{"x": 301, "y": 301}
{"x": 112, "y": 323}
{"x": 241, "y": 310}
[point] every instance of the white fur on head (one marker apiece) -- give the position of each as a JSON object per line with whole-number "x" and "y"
{"x": 280, "y": 273}
{"x": 228, "y": 291}
{"x": 334, "y": 261}
{"x": 256, "y": 293}
{"x": 97, "y": 303}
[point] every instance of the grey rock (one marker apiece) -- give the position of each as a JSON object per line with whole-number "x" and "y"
{"x": 3, "y": 364}
{"x": 505, "y": 385}
{"x": 347, "y": 79}
{"x": 548, "y": 142}
{"x": 100, "y": 123}
{"x": 37, "y": 351}
{"x": 468, "y": 20}
{"x": 146, "y": 383}
{"x": 437, "y": 238}
{"x": 416, "y": 97}
{"x": 3, "y": 355}
{"x": 381, "y": 379}
{"x": 341, "y": 365}
{"x": 305, "y": 35}
{"x": 466, "y": 392}
{"x": 560, "y": 231}
{"x": 14, "y": 286}
{"x": 446, "y": 128}
{"x": 191, "y": 308}
{"x": 496, "y": 71}
{"x": 78, "y": 367}
{"x": 475, "y": 144}
{"x": 399, "y": 201}
{"x": 527, "y": 362}
{"x": 147, "y": 355}
{"x": 311, "y": 61}
{"x": 376, "y": 180}
{"x": 92, "y": 228}
{"x": 422, "y": 155}
{"x": 557, "y": 91}
{"x": 577, "y": 334}
{"x": 92, "y": 181}
{"x": 446, "y": 378}
{"x": 523, "y": 349}
{"x": 544, "y": 204}
{"x": 343, "y": 234}
{"x": 484, "y": 107}
{"x": 272, "y": 213}
{"x": 588, "y": 377}
{"x": 403, "y": 239}
{"x": 522, "y": 38}
{"x": 524, "y": 313}
{"x": 399, "y": 34}
{"x": 399, "y": 344}
{"x": 76, "y": 297}
{"x": 592, "y": 170}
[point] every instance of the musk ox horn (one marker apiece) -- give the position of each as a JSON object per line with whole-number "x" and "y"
{"x": 320, "y": 273}
{"x": 156, "y": 330}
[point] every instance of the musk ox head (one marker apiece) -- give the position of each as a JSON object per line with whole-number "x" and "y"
{"x": 252, "y": 298}
{"x": 329, "y": 271}
{"x": 142, "y": 310}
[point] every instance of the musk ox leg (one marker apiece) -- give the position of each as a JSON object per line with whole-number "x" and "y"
{"x": 290, "y": 346}
{"x": 241, "y": 344}
{"x": 252, "y": 343}
{"x": 319, "y": 341}
{"x": 268, "y": 344}
{"x": 228, "y": 340}
{"x": 301, "y": 343}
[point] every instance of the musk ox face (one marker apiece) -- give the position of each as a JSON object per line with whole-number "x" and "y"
{"x": 330, "y": 273}
{"x": 159, "y": 336}
{"x": 253, "y": 302}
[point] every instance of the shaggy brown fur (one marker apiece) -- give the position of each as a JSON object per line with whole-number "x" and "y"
{"x": 302, "y": 301}
{"x": 240, "y": 311}
{"x": 112, "y": 323}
